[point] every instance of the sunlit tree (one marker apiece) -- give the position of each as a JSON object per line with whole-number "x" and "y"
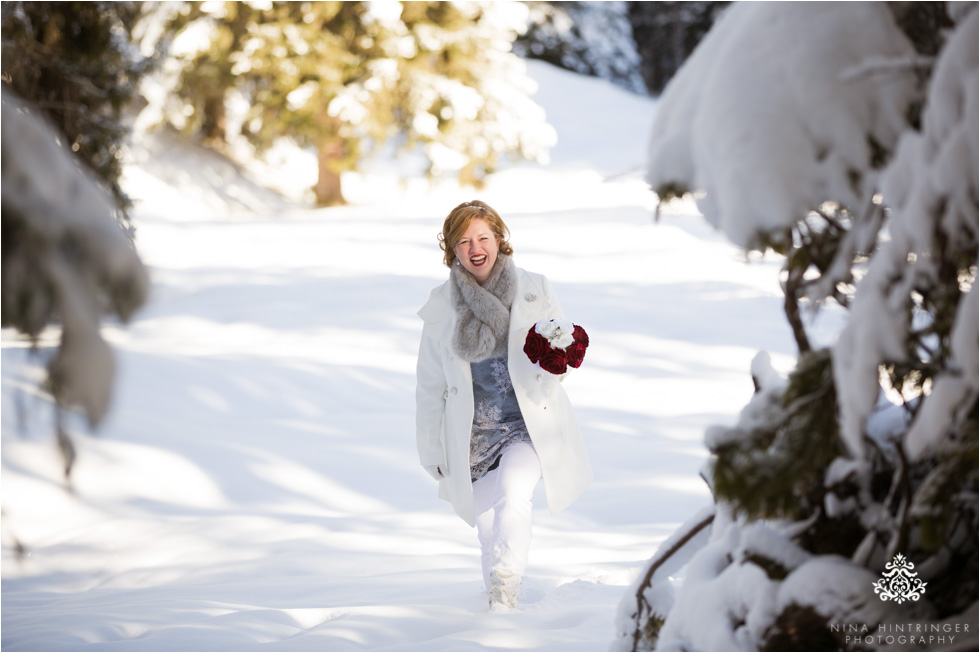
{"x": 346, "y": 78}
{"x": 208, "y": 74}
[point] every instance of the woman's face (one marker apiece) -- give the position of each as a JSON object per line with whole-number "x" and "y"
{"x": 477, "y": 249}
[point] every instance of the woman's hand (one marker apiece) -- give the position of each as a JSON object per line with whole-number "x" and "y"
{"x": 435, "y": 471}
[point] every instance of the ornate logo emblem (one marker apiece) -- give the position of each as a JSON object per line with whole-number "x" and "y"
{"x": 899, "y": 582}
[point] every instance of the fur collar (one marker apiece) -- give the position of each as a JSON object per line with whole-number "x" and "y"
{"x": 482, "y": 312}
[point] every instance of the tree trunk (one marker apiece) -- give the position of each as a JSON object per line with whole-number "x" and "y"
{"x": 328, "y": 191}
{"x": 213, "y": 128}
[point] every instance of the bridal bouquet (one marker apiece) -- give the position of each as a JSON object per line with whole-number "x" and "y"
{"x": 556, "y": 345}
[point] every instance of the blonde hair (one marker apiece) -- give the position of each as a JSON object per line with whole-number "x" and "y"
{"x": 458, "y": 221}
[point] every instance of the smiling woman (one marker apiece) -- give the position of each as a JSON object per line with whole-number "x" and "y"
{"x": 490, "y": 423}
{"x": 469, "y": 223}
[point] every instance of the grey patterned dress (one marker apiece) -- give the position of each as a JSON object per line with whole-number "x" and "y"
{"x": 497, "y": 419}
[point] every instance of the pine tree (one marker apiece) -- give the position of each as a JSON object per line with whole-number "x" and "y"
{"x": 345, "y": 78}
{"x": 70, "y": 70}
{"x": 209, "y": 74}
{"x": 666, "y": 33}
{"x": 867, "y": 452}
{"x": 76, "y": 63}
{"x": 590, "y": 38}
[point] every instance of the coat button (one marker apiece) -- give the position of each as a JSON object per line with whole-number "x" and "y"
{"x": 445, "y": 395}
{"x": 453, "y": 390}
{"x": 540, "y": 377}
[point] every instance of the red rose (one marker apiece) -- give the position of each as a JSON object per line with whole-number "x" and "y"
{"x": 580, "y": 336}
{"x": 554, "y": 362}
{"x": 535, "y": 346}
{"x": 575, "y": 354}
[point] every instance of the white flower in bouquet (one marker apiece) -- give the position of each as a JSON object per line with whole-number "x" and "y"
{"x": 558, "y": 333}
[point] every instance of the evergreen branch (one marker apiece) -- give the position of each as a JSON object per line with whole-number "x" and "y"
{"x": 648, "y": 577}
{"x": 841, "y": 298}
{"x": 81, "y": 112}
{"x": 881, "y": 67}
{"x": 833, "y": 222}
{"x": 900, "y": 488}
{"x": 796, "y": 529}
{"x": 903, "y": 510}
{"x": 791, "y": 307}
{"x": 38, "y": 54}
{"x": 802, "y": 402}
{"x": 862, "y": 554}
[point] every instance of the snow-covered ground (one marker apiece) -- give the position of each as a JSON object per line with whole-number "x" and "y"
{"x": 256, "y": 485}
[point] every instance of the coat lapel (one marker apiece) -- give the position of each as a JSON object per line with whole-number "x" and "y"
{"x": 530, "y": 305}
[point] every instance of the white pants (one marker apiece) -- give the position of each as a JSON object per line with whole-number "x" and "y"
{"x": 503, "y": 511}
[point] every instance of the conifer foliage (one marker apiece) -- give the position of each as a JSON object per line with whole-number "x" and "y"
{"x": 591, "y": 38}
{"x": 66, "y": 262}
{"x": 69, "y": 72}
{"x": 666, "y": 33}
{"x": 345, "y": 78}
{"x": 75, "y": 62}
{"x": 867, "y": 452}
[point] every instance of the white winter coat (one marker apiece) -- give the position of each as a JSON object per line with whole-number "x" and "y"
{"x": 444, "y": 401}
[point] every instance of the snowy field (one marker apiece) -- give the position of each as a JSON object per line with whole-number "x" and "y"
{"x": 256, "y": 485}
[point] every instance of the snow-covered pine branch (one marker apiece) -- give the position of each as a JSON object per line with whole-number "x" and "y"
{"x": 815, "y": 129}
{"x": 65, "y": 258}
{"x": 931, "y": 187}
{"x": 764, "y": 121}
{"x": 591, "y": 38}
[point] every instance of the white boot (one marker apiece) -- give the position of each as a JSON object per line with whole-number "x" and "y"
{"x": 504, "y": 590}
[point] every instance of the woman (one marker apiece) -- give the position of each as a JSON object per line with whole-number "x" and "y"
{"x": 489, "y": 423}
